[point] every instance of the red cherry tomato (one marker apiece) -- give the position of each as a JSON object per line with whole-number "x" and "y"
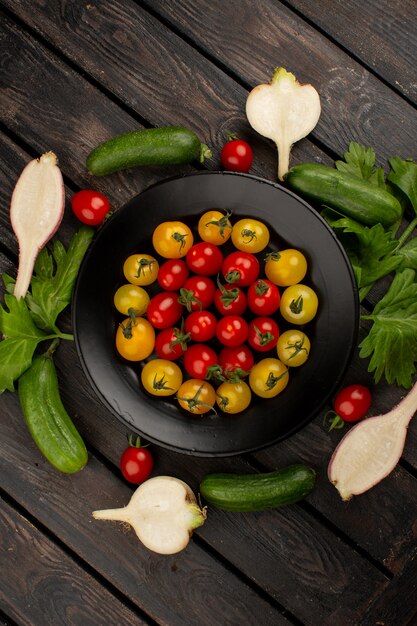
{"x": 201, "y": 326}
{"x": 352, "y": 403}
{"x": 236, "y": 156}
{"x": 90, "y": 207}
{"x": 204, "y": 259}
{"x": 263, "y": 334}
{"x": 136, "y": 462}
{"x": 238, "y": 357}
{"x": 164, "y": 310}
{"x": 240, "y": 268}
{"x": 197, "y": 293}
{"x": 263, "y": 297}
{"x": 198, "y": 358}
{"x": 232, "y": 330}
{"x": 171, "y": 343}
{"x": 173, "y": 274}
{"x": 230, "y": 300}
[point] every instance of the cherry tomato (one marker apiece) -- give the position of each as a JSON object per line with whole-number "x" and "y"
{"x": 197, "y": 293}
{"x": 171, "y": 343}
{"x": 263, "y": 334}
{"x": 141, "y": 269}
{"x": 268, "y": 378}
{"x": 164, "y": 310}
{"x": 136, "y": 462}
{"x": 286, "y": 267}
{"x": 204, "y": 259}
{"x": 215, "y": 227}
{"x": 236, "y": 358}
{"x": 131, "y": 298}
{"x": 352, "y": 403}
{"x": 233, "y": 397}
{"x": 232, "y": 330}
{"x": 230, "y": 300}
{"x": 172, "y": 240}
{"x": 90, "y": 207}
{"x": 240, "y": 268}
{"x": 293, "y": 347}
{"x": 173, "y": 274}
{"x": 250, "y": 235}
{"x": 196, "y": 396}
{"x": 135, "y": 339}
{"x": 160, "y": 377}
{"x": 298, "y": 304}
{"x": 198, "y": 358}
{"x": 201, "y": 326}
{"x": 236, "y": 156}
{"x": 263, "y": 297}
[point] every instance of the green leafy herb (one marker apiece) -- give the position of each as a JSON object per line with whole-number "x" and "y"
{"x": 21, "y": 337}
{"x": 408, "y": 254}
{"x": 403, "y": 175}
{"x": 392, "y": 340}
{"x": 360, "y": 162}
{"x": 55, "y": 275}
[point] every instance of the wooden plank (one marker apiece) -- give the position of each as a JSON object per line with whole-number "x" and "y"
{"x": 188, "y": 588}
{"x": 188, "y": 89}
{"x": 45, "y": 586}
{"x": 252, "y": 37}
{"x": 384, "y": 36}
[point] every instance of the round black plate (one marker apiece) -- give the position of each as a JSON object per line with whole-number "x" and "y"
{"x": 333, "y": 333}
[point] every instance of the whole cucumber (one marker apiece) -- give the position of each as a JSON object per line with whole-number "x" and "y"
{"x": 169, "y": 145}
{"x": 48, "y": 422}
{"x": 254, "y": 492}
{"x": 353, "y": 197}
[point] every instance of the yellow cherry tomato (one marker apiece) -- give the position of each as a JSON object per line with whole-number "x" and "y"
{"x": 141, "y": 269}
{"x": 161, "y": 377}
{"x": 250, "y": 235}
{"x": 131, "y": 298}
{"x": 172, "y": 240}
{"x": 196, "y": 396}
{"x": 215, "y": 227}
{"x": 268, "y": 378}
{"x": 135, "y": 339}
{"x": 286, "y": 267}
{"x": 293, "y": 347}
{"x": 298, "y": 304}
{"x": 233, "y": 397}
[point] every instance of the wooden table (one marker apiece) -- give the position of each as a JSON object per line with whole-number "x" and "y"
{"x": 75, "y": 73}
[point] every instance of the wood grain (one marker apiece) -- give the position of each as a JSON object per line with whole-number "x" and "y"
{"x": 251, "y": 37}
{"x": 383, "y": 36}
{"x": 45, "y": 586}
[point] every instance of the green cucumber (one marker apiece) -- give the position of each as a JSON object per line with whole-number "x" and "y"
{"x": 169, "y": 145}
{"x": 353, "y": 197}
{"x": 48, "y": 422}
{"x": 254, "y": 492}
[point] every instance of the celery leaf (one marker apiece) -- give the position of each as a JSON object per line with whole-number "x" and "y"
{"x": 403, "y": 175}
{"x": 360, "y": 162}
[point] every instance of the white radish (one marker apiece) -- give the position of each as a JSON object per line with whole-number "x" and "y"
{"x": 36, "y": 211}
{"x": 371, "y": 449}
{"x": 284, "y": 111}
{"x": 163, "y": 512}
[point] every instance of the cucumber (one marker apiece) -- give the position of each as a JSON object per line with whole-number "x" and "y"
{"x": 353, "y": 197}
{"x": 169, "y": 145}
{"x": 254, "y": 492}
{"x": 48, "y": 422}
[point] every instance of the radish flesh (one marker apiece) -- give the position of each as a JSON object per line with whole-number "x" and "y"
{"x": 163, "y": 512}
{"x": 371, "y": 449}
{"x": 284, "y": 111}
{"x": 36, "y": 211}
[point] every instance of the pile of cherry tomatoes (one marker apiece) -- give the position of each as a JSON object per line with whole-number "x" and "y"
{"x": 212, "y": 323}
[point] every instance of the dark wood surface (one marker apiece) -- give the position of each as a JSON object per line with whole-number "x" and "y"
{"x": 75, "y": 73}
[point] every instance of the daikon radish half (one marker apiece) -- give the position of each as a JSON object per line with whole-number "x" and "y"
{"x": 36, "y": 211}
{"x": 284, "y": 111}
{"x": 372, "y": 449}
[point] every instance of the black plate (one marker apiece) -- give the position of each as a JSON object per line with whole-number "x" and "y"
{"x": 333, "y": 332}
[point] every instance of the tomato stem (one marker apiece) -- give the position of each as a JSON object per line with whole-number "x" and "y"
{"x": 222, "y": 223}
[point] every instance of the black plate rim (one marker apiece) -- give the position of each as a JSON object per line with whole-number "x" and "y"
{"x": 332, "y": 390}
